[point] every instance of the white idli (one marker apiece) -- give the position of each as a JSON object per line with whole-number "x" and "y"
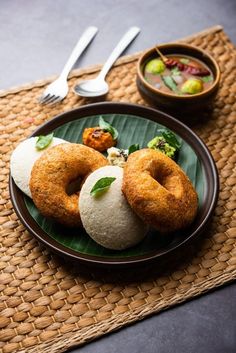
{"x": 22, "y": 161}
{"x": 108, "y": 218}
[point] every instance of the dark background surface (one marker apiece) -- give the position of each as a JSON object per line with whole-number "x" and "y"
{"x": 37, "y": 36}
{"x": 36, "y": 39}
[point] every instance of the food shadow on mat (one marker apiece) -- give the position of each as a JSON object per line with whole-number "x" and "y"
{"x": 77, "y": 239}
{"x": 164, "y": 266}
{"x": 86, "y": 101}
{"x": 159, "y": 267}
{"x": 191, "y": 119}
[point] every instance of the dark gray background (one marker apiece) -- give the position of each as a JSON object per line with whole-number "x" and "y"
{"x": 36, "y": 37}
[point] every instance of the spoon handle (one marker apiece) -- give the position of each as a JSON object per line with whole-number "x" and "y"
{"x": 82, "y": 43}
{"x": 123, "y": 43}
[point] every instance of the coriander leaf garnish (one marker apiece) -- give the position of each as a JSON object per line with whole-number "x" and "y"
{"x": 208, "y": 78}
{"x": 104, "y": 125}
{"x": 43, "y": 141}
{"x": 170, "y": 138}
{"x": 133, "y": 148}
{"x": 101, "y": 185}
{"x": 175, "y": 71}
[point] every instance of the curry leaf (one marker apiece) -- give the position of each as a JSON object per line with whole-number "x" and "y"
{"x": 101, "y": 185}
{"x": 133, "y": 148}
{"x": 107, "y": 127}
{"x": 43, "y": 141}
{"x": 170, "y": 138}
{"x": 170, "y": 83}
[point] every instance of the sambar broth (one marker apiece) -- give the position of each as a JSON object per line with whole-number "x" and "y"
{"x": 172, "y": 80}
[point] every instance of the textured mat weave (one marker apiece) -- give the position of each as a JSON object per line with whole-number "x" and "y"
{"x": 48, "y": 305}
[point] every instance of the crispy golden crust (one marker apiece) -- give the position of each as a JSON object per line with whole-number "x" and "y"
{"x": 159, "y": 191}
{"x": 54, "y": 171}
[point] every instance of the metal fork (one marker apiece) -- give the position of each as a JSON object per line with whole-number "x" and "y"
{"x": 58, "y": 89}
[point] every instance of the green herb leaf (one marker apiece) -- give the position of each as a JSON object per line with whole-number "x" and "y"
{"x": 101, "y": 185}
{"x": 175, "y": 71}
{"x": 133, "y": 148}
{"x": 184, "y": 61}
{"x": 43, "y": 142}
{"x": 207, "y": 78}
{"x": 170, "y": 138}
{"x": 107, "y": 127}
{"x": 170, "y": 83}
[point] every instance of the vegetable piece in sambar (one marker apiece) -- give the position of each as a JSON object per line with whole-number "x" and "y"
{"x": 192, "y": 86}
{"x": 155, "y": 66}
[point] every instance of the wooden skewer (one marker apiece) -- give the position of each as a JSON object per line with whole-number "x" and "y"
{"x": 163, "y": 57}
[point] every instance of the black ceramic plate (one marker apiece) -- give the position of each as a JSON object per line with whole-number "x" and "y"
{"x": 136, "y": 124}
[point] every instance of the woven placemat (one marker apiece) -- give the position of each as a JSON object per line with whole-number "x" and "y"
{"x": 48, "y": 304}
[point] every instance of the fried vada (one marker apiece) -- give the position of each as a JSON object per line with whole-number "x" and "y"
{"x": 159, "y": 191}
{"x": 54, "y": 172}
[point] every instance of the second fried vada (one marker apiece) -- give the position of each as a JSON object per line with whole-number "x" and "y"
{"x": 53, "y": 173}
{"x": 159, "y": 191}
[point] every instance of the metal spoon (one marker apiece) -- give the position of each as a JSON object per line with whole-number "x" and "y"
{"x": 98, "y": 86}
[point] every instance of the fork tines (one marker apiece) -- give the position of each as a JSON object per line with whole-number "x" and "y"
{"x": 49, "y": 99}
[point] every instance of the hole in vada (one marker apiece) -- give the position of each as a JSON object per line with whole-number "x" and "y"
{"x": 160, "y": 176}
{"x": 74, "y": 186}
{"x": 170, "y": 182}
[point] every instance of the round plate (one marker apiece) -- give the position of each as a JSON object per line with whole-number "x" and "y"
{"x": 136, "y": 124}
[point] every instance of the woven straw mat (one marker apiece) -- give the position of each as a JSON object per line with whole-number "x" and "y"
{"x": 48, "y": 304}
